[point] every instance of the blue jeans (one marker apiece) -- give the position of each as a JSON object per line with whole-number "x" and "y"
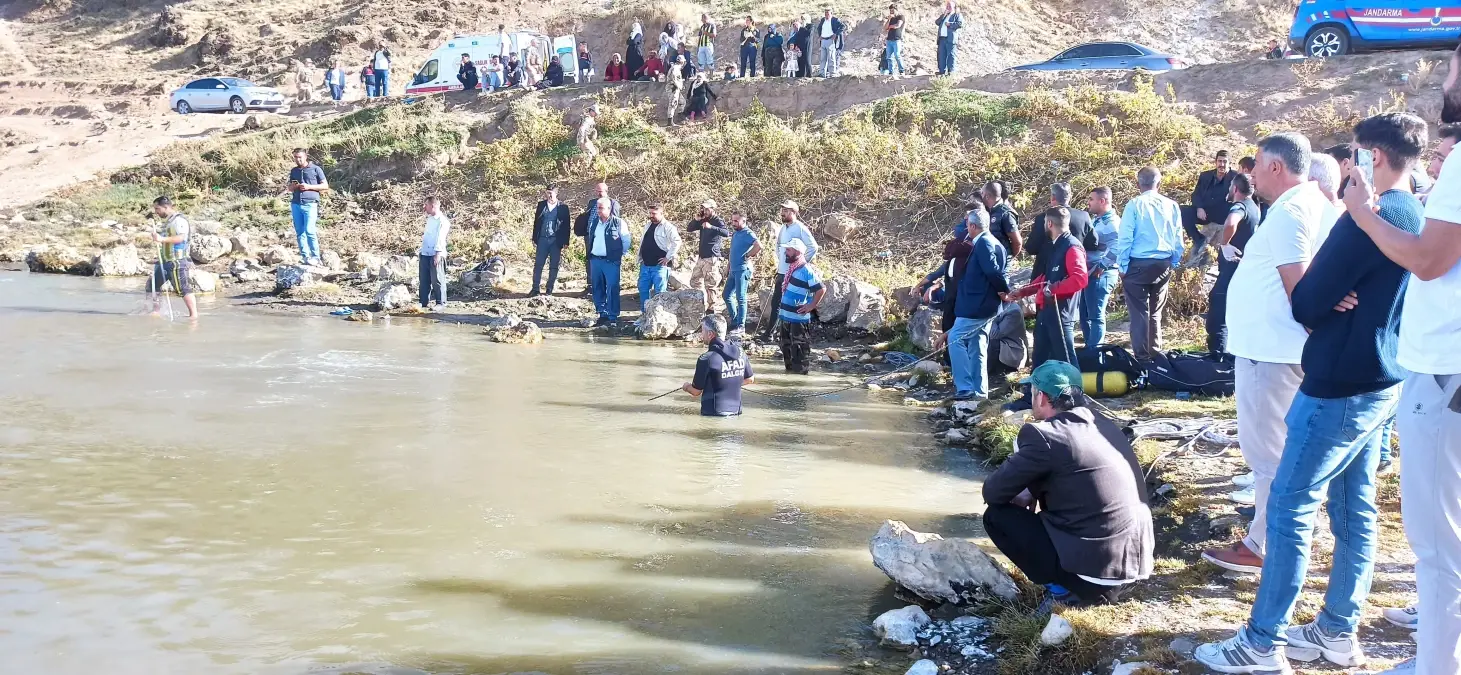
{"x": 432, "y": 281}
{"x": 895, "y": 56}
{"x": 604, "y": 274}
{"x": 652, "y": 282}
{"x": 548, "y": 253}
{"x": 1333, "y": 447}
{"x": 706, "y": 56}
{"x": 1386, "y": 450}
{"x": 1093, "y": 307}
{"x": 494, "y": 80}
{"x": 945, "y": 57}
{"x": 737, "y": 287}
{"x": 748, "y": 61}
{"x": 306, "y": 217}
{"x": 337, "y": 91}
{"x": 382, "y": 82}
{"x": 968, "y": 345}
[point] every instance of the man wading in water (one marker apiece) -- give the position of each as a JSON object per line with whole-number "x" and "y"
{"x": 720, "y": 372}
{"x": 172, "y": 266}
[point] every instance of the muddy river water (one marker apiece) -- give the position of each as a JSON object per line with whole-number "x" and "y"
{"x": 266, "y": 494}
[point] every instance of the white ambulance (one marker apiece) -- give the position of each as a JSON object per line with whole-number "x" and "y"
{"x": 439, "y": 73}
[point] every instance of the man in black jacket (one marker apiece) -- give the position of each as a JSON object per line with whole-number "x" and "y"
{"x": 802, "y": 38}
{"x": 550, "y": 236}
{"x": 1209, "y": 200}
{"x": 1092, "y": 537}
{"x": 1039, "y": 244}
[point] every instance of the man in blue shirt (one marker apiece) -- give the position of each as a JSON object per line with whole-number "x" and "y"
{"x": 306, "y": 182}
{"x": 801, "y": 292}
{"x": 1101, "y": 267}
{"x": 976, "y": 301}
{"x": 1149, "y": 247}
{"x": 720, "y": 372}
{"x": 1350, "y": 299}
{"x": 744, "y": 246}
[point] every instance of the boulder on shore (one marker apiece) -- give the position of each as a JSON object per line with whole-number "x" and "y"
{"x": 673, "y": 314}
{"x": 202, "y": 281}
{"x": 331, "y": 261}
{"x": 839, "y": 226}
{"x": 489, "y": 273}
{"x": 899, "y": 628}
{"x": 121, "y": 260}
{"x": 398, "y": 268}
{"x": 366, "y": 262}
{"x": 856, "y": 303}
{"x": 209, "y": 247}
{"x": 925, "y": 327}
{"x": 938, "y": 569}
{"x": 240, "y": 244}
{"x": 394, "y": 295}
{"x": 275, "y": 255}
{"x": 290, "y": 276}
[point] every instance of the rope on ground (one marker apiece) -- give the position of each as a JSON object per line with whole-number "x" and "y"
{"x": 1221, "y": 433}
{"x": 863, "y": 383}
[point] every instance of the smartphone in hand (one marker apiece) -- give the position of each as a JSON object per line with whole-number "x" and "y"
{"x": 1365, "y": 160}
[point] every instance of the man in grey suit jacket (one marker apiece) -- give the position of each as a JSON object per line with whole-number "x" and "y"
{"x": 1092, "y": 537}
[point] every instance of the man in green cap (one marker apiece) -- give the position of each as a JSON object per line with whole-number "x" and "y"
{"x": 1092, "y": 536}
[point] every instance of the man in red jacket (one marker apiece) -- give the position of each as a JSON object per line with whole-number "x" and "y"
{"x": 1059, "y": 286}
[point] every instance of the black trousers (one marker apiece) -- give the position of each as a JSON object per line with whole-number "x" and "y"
{"x": 1020, "y": 535}
{"x": 1192, "y": 225}
{"x": 1217, "y": 309}
{"x": 796, "y": 346}
{"x": 767, "y": 320}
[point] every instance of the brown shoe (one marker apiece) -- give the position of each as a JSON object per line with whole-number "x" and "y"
{"x": 1236, "y": 558}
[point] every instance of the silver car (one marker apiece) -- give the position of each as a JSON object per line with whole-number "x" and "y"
{"x": 224, "y": 93}
{"x": 1108, "y": 56}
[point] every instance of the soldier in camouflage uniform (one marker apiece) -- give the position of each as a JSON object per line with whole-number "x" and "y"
{"x": 674, "y": 88}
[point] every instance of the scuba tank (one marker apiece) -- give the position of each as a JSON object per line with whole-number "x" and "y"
{"x": 1107, "y": 384}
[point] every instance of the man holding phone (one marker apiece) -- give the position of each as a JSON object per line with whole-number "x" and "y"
{"x": 306, "y": 182}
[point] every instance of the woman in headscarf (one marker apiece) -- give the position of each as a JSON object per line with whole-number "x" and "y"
{"x": 616, "y": 70}
{"x": 700, "y": 98}
{"x": 771, "y": 52}
{"x": 634, "y": 50}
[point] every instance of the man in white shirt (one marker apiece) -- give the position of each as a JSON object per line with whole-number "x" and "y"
{"x": 1429, "y": 416}
{"x": 608, "y": 238}
{"x": 1262, "y": 333}
{"x": 791, "y": 229}
{"x": 829, "y": 29}
{"x": 380, "y": 62}
{"x": 433, "y": 254}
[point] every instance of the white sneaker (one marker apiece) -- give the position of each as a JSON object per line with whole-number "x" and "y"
{"x": 1235, "y": 655}
{"x": 1408, "y": 618}
{"x": 1245, "y": 496}
{"x": 1244, "y": 480}
{"x": 1406, "y": 667}
{"x": 1341, "y": 650}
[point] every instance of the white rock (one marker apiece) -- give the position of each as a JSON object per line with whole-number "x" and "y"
{"x": 678, "y": 280}
{"x": 206, "y": 227}
{"x": 1119, "y": 668}
{"x": 121, "y": 260}
{"x": 932, "y": 367}
{"x": 898, "y": 628}
{"x": 241, "y": 244}
{"x": 948, "y": 570}
{"x": 839, "y": 226}
{"x": 924, "y": 327}
{"x": 275, "y": 255}
{"x": 208, "y": 247}
{"x": 203, "y": 281}
{"x": 672, "y": 314}
{"x": 923, "y": 667}
{"x": 956, "y": 437}
{"x": 366, "y": 262}
{"x": 1056, "y": 632}
{"x": 331, "y": 260}
{"x": 394, "y": 295}
{"x": 398, "y": 268}
{"x": 289, "y": 276}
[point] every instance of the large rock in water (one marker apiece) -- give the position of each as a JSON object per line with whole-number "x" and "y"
{"x": 672, "y": 314}
{"x": 856, "y": 303}
{"x": 290, "y": 276}
{"x": 938, "y": 569}
{"x": 925, "y": 327}
{"x": 202, "y": 281}
{"x": 209, "y": 247}
{"x": 58, "y": 260}
{"x": 121, "y": 260}
{"x": 520, "y": 333}
{"x": 394, "y": 295}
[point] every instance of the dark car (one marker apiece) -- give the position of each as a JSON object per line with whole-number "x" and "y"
{"x": 1108, "y": 56}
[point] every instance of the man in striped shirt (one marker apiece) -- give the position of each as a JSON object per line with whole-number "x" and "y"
{"x": 801, "y": 292}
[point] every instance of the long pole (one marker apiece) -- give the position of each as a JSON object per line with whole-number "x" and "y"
{"x": 665, "y": 394}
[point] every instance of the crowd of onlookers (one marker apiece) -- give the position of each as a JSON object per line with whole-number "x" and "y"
{"x": 1338, "y": 303}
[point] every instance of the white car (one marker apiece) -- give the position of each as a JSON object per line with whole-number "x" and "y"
{"x": 224, "y": 93}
